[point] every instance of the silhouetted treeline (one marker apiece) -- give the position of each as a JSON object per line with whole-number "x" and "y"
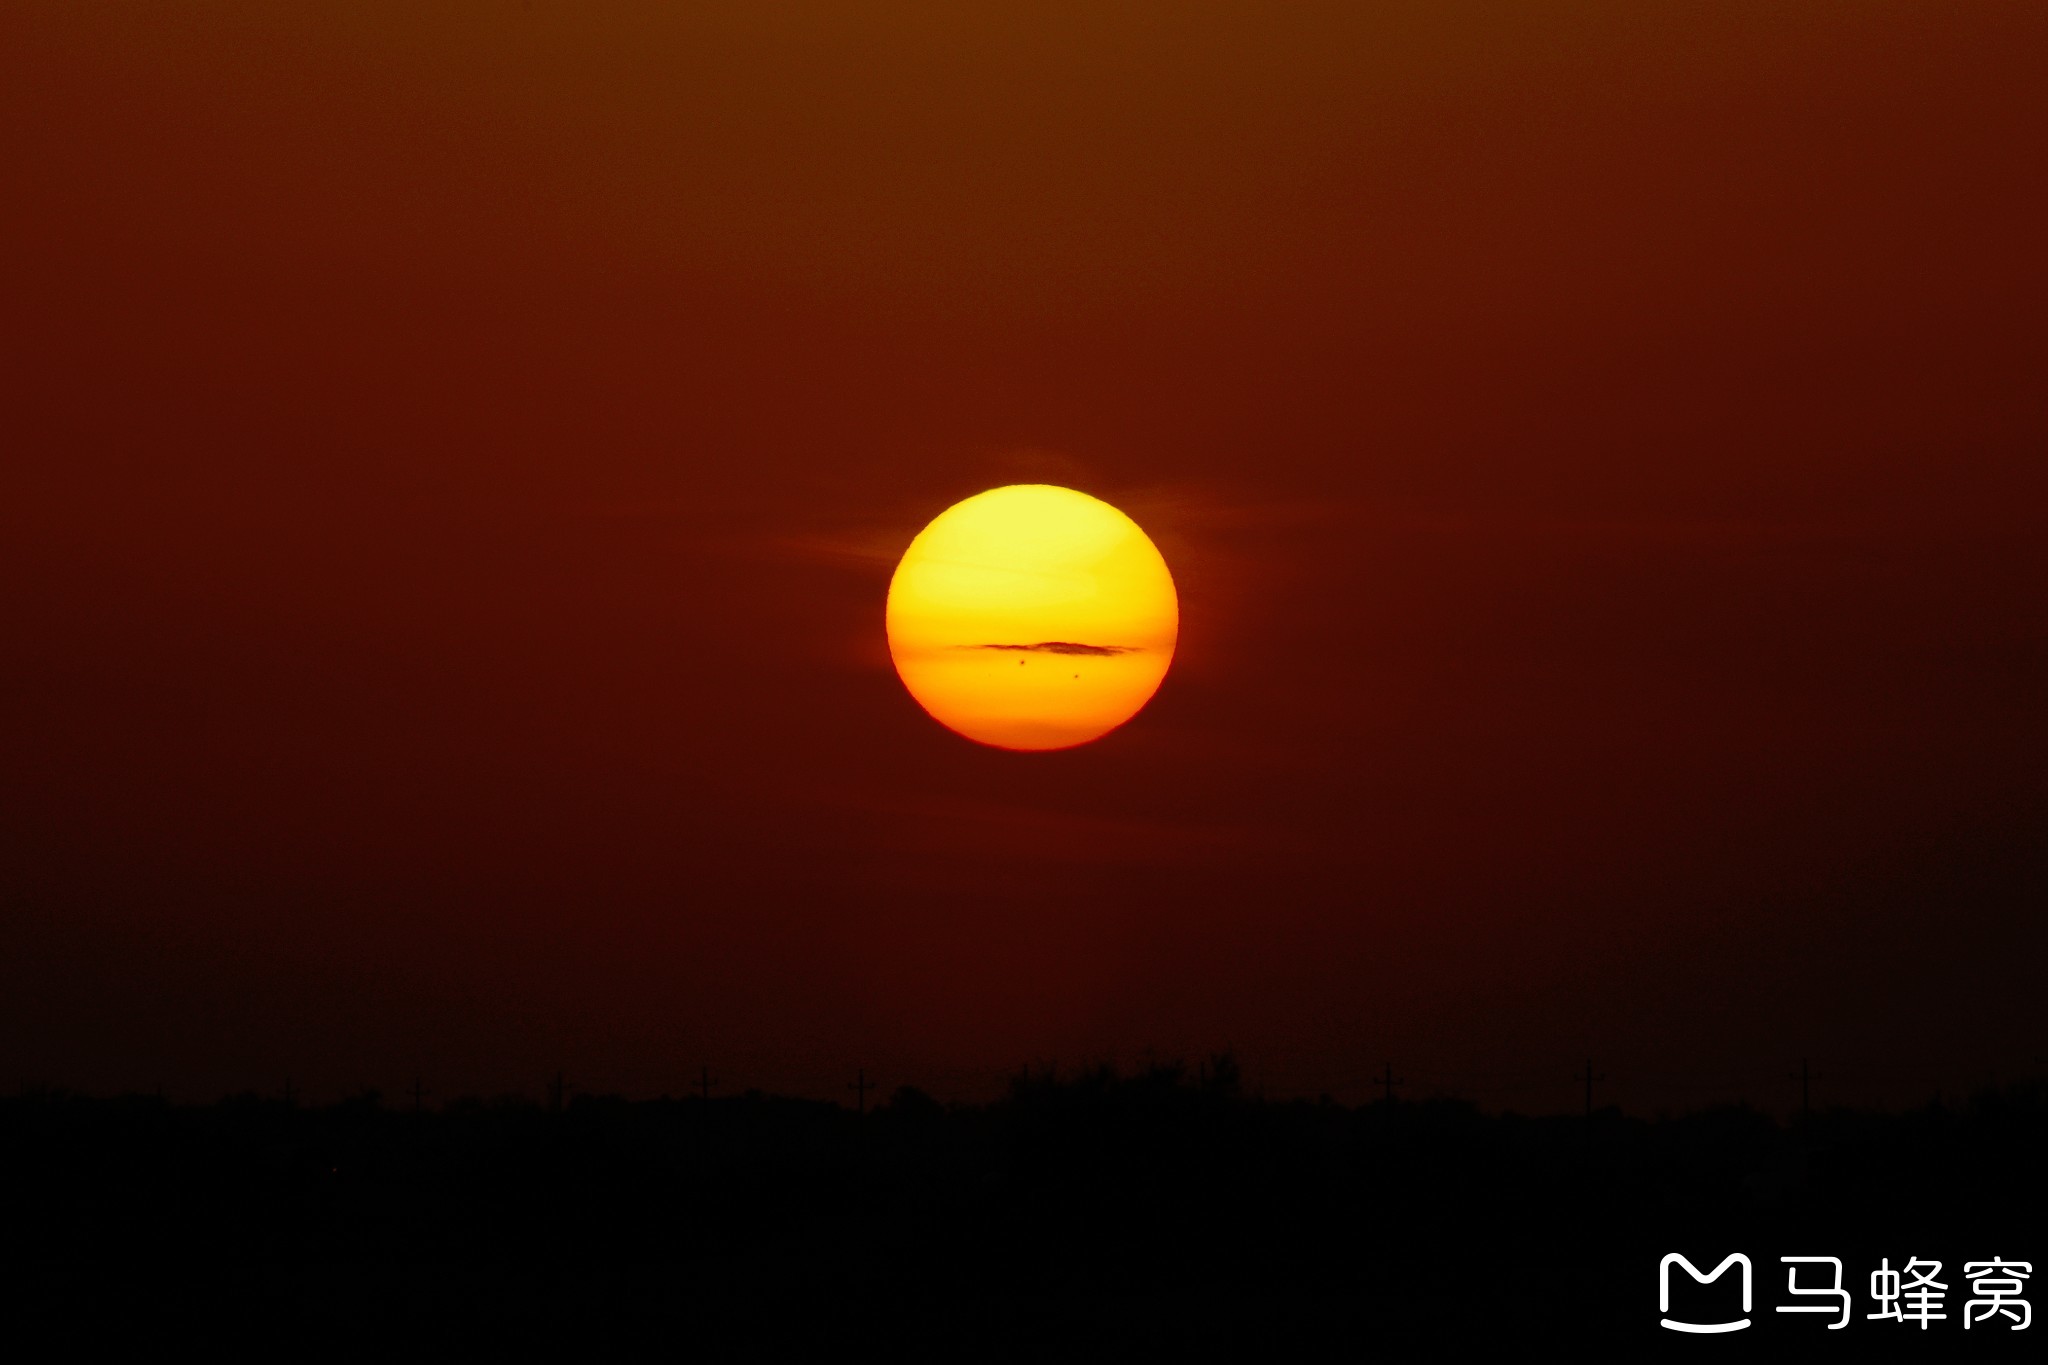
{"x": 1166, "y": 1194}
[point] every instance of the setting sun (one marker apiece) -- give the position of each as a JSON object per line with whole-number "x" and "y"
{"x": 1032, "y": 617}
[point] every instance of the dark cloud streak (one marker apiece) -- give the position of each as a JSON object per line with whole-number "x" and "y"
{"x": 1064, "y": 647}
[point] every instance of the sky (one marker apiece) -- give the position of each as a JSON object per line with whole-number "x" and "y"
{"x": 452, "y": 459}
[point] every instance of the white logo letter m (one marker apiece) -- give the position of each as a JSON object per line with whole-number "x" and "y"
{"x": 1664, "y": 1291}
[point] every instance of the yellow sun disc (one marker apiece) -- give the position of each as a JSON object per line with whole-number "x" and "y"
{"x": 1032, "y": 617}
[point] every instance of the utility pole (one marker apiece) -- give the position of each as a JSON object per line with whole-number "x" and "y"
{"x": 1386, "y": 1083}
{"x": 860, "y": 1087}
{"x": 704, "y": 1084}
{"x": 1805, "y": 1093}
{"x": 1590, "y": 1078}
{"x": 556, "y": 1089}
{"x": 417, "y": 1092}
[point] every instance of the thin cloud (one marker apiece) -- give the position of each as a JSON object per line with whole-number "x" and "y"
{"x": 1062, "y": 647}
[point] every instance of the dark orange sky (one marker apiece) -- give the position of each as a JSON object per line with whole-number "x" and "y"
{"x": 453, "y": 462}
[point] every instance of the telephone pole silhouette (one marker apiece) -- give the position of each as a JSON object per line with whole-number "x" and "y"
{"x": 417, "y": 1092}
{"x": 860, "y": 1087}
{"x": 1805, "y": 1079}
{"x": 1590, "y": 1078}
{"x": 704, "y": 1084}
{"x": 556, "y": 1089}
{"x": 1386, "y": 1083}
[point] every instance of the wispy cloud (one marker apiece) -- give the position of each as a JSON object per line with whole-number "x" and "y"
{"x": 1062, "y": 647}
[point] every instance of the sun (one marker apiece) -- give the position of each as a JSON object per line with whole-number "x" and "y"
{"x": 1032, "y": 617}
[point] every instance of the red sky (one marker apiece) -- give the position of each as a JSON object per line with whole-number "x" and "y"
{"x": 453, "y": 462}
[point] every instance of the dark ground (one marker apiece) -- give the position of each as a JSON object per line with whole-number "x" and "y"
{"x": 1161, "y": 1209}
